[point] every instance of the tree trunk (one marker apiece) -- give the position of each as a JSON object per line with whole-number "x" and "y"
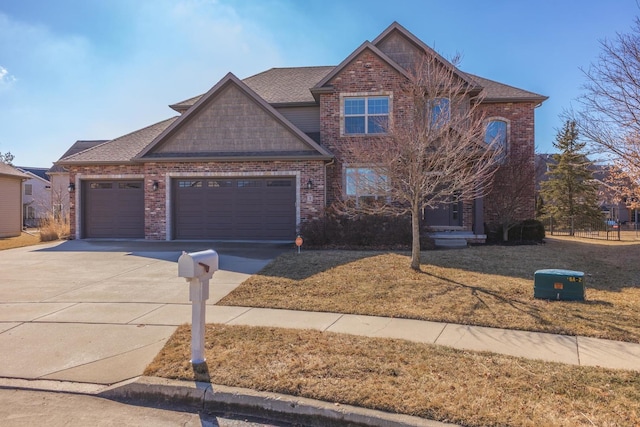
{"x": 415, "y": 238}
{"x": 505, "y": 233}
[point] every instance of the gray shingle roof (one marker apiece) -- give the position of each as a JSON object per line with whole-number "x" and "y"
{"x": 8, "y": 170}
{"x": 278, "y": 85}
{"x": 119, "y": 150}
{"x": 77, "y": 147}
{"x": 292, "y": 85}
{"x": 39, "y": 172}
{"x": 500, "y": 92}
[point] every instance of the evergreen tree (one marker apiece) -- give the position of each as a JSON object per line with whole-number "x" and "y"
{"x": 571, "y": 194}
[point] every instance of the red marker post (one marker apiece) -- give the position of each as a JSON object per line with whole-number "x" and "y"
{"x": 298, "y": 243}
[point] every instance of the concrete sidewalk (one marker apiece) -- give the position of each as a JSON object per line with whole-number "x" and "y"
{"x": 573, "y": 350}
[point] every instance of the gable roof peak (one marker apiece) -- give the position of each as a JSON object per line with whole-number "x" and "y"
{"x": 367, "y": 45}
{"x": 204, "y": 100}
{"x": 395, "y": 27}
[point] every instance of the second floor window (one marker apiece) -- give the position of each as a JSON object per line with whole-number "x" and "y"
{"x": 366, "y": 115}
{"x": 440, "y": 112}
{"x": 496, "y": 133}
{"x": 28, "y": 189}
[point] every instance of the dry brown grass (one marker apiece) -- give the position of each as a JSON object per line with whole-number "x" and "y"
{"x": 24, "y": 239}
{"x": 483, "y": 285}
{"x": 474, "y": 389}
{"x": 54, "y": 229}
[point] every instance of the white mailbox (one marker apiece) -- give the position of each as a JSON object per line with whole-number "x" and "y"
{"x": 198, "y": 265}
{"x": 198, "y": 269}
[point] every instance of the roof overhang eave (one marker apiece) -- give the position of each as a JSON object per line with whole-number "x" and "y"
{"x": 231, "y": 159}
{"x": 538, "y": 100}
{"x": 317, "y": 91}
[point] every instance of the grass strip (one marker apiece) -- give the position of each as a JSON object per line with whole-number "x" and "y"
{"x": 433, "y": 382}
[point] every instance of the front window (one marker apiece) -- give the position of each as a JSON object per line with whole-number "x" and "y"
{"x": 365, "y": 182}
{"x": 366, "y": 115}
{"x": 496, "y": 134}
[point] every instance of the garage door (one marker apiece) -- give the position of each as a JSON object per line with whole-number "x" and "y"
{"x": 113, "y": 209}
{"x": 235, "y": 209}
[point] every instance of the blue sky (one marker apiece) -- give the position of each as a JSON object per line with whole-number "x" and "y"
{"x": 98, "y": 69}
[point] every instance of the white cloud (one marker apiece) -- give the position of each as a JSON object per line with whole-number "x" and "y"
{"x": 5, "y": 77}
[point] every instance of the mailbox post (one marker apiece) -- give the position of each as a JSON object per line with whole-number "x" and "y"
{"x": 198, "y": 268}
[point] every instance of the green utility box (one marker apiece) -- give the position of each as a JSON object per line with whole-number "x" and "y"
{"x": 566, "y": 285}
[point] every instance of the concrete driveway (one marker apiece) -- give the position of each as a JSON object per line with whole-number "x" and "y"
{"x": 98, "y": 312}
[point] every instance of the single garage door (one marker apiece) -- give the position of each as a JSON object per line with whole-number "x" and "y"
{"x": 113, "y": 209}
{"x": 235, "y": 209}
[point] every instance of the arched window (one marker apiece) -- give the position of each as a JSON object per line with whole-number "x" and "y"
{"x": 440, "y": 112}
{"x": 496, "y": 134}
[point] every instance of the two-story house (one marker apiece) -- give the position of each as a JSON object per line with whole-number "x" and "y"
{"x": 252, "y": 159}
{"x": 36, "y": 196}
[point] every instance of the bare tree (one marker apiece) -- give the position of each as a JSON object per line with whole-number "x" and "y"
{"x": 434, "y": 151}
{"x": 610, "y": 105}
{"x": 511, "y": 198}
{"x": 7, "y": 158}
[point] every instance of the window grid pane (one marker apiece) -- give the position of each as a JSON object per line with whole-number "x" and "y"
{"x": 366, "y": 115}
{"x": 354, "y": 124}
{"x": 378, "y": 106}
{"x": 354, "y": 106}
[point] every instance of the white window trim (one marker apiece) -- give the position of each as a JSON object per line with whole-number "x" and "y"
{"x": 378, "y": 94}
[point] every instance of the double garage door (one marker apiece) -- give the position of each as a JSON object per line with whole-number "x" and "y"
{"x": 234, "y": 208}
{"x": 203, "y": 208}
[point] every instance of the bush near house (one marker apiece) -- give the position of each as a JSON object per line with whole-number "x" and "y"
{"x": 530, "y": 230}
{"x": 53, "y": 228}
{"x": 364, "y": 231}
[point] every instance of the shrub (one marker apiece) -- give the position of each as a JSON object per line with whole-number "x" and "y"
{"x": 54, "y": 229}
{"x": 530, "y": 230}
{"x": 364, "y": 231}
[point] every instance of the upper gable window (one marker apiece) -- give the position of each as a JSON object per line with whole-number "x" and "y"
{"x": 496, "y": 133}
{"x": 366, "y": 115}
{"x": 440, "y": 112}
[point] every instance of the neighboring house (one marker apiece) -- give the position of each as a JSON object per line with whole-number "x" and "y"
{"x": 611, "y": 204}
{"x": 36, "y": 196}
{"x": 253, "y": 159}
{"x": 59, "y": 177}
{"x": 11, "y": 195}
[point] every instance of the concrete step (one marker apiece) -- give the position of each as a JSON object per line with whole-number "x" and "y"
{"x": 450, "y": 243}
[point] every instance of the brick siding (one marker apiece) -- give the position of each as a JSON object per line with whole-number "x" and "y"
{"x": 311, "y": 202}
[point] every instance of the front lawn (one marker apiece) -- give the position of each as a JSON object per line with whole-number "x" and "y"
{"x": 433, "y": 382}
{"x": 487, "y": 285}
{"x": 482, "y": 285}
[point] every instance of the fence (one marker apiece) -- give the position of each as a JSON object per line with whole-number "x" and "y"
{"x": 599, "y": 229}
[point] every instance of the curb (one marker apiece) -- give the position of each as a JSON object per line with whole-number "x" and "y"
{"x": 250, "y": 403}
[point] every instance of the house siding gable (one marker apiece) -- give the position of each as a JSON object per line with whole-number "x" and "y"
{"x": 231, "y": 123}
{"x": 400, "y": 49}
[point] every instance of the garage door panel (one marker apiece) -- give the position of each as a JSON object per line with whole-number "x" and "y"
{"x": 113, "y": 209}
{"x": 236, "y": 208}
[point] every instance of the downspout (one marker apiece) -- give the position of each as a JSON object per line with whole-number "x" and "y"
{"x": 325, "y": 179}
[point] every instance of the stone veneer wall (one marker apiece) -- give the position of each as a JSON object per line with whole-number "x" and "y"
{"x": 311, "y": 202}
